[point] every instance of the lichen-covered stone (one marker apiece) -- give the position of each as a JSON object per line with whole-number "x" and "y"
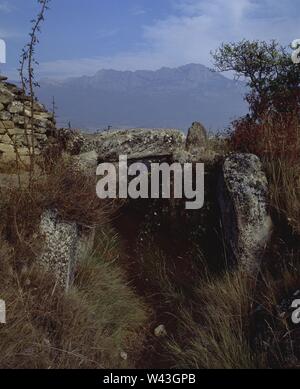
{"x": 15, "y": 107}
{"x": 5, "y": 115}
{"x": 135, "y": 143}
{"x": 182, "y": 156}
{"x": 60, "y": 246}
{"x": 18, "y": 119}
{"x": 196, "y": 138}
{"x": 64, "y": 245}
{"x": 87, "y": 162}
{"x": 243, "y": 201}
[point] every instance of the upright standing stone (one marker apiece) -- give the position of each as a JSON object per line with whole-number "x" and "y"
{"x": 60, "y": 247}
{"x": 243, "y": 199}
{"x": 64, "y": 245}
{"x": 196, "y": 138}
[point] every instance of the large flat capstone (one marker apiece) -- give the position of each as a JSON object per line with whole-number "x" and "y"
{"x": 136, "y": 143}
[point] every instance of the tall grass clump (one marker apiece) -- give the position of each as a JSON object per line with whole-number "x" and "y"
{"x": 89, "y": 327}
{"x": 214, "y": 327}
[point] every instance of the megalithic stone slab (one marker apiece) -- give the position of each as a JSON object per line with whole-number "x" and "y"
{"x": 64, "y": 245}
{"x": 243, "y": 199}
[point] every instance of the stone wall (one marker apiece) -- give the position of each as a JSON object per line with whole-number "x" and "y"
{"x": 15, "y": 114}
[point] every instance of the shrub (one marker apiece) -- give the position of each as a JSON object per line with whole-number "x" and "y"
{"x": 275, "y": 139}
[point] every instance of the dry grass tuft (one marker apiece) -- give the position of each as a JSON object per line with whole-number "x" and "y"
{"x": 214, "y": 332}
{"x": 87, "y": 328}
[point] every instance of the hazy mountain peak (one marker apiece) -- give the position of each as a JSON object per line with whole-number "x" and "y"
{"x": 167, "y": 97}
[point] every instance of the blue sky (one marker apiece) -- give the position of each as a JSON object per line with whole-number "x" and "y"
{"x": 83, "y": 36}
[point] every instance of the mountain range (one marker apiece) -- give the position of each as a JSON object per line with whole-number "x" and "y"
{"x": 165, "y": 98}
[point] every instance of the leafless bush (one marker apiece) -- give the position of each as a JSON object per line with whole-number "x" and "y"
{"x": 28, "y": 81}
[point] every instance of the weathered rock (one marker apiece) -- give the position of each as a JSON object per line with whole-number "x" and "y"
{"x": 243, "y": 199}
{"x": 182, "y": 156}
{"x": 64, "y": 244}
{"x": 60, "y": 247}
{"x": 18, "y": 119}
{"x": 15, "y": 107}
{"x": 17, "y": 131}
{"x": 196, "y": 138}
{"x": 38, "y": 107}
{"x": 4, "y": 115}
{"x": 160, "y": 331}
{"x": 7, "y": 153}
{"x": 136, "y": 143}
{"x": 6, "y": 97}
{"x": 5, "y": 139}
{"x": 124, "y": 355}
{"x": 43, "y": 116}
{"x": 8, "y": 124}
{"x": 87, "y": 162}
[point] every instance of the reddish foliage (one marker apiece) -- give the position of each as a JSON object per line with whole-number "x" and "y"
{"x": 273, "y": 136}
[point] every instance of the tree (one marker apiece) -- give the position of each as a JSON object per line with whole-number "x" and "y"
{"x": 272, "y": 77}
